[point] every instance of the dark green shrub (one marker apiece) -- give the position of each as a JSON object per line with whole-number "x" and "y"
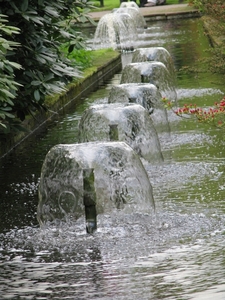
{"x": 44, "y": 26}
{"x": 8, "y": 86}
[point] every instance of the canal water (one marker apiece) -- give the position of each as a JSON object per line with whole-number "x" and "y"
{"x": 177, "y": 253}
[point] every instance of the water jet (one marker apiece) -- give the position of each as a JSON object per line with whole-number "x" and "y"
{"x": 138, "y": 19}
{"x": 115, "y": 30}
{"x": 155, "y": 54}
{"x": 130, "y": 123}
{"x": 119, "y": 29}
{"x": 153, "y": 72}
{"x": 145, "y": 94}
{"x": 99, "y": 177}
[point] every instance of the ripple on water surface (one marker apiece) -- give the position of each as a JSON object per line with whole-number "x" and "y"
{"x": 128, "y": 254}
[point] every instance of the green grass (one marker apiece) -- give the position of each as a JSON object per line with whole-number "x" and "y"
{"x": 110, "y": 4}
{"x": 98, "y": 58}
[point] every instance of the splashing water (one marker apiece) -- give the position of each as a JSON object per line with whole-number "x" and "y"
{"x": 119, "y": 29}
{"x": 132, "y": 124}
{"x": 115, "y": 30}
{"x": 148, "y": 96}
{"x": 120, "y": 180}
{"x": 151, "y": 72}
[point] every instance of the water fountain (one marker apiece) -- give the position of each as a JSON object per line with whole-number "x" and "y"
{"x": 95, "y": 178}
{"x": 114, "y": 175}
{"x": 156, "y": 54}
{"x": 130, "y": 123}
{"x": 119, "y": 29}
{"x": 145, "y": 94}
{"x": 129, "y": 4}
{"x": 138, "y": 19}
{"x": 153, "y": 72}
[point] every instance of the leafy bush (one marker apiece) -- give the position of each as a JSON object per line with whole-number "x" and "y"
{"x": 44, "y": 26}
{"x": 214, "y": 8}
{"x": 8, "y": 86}
{"x": 198, "y": 4}
{"x": 214, "y": 18}
{"x": 81, "y": 58}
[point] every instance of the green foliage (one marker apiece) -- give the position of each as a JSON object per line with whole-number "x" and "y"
{"x": 214, "y": 19}
{"x": 8, "y": 86}
{"x": 44, "y": 26}
{"x": 216, "y": 62}
{"x": 81, "y": 58}
{"x": 198, "y": 4}
{"x": 214, "y": 8}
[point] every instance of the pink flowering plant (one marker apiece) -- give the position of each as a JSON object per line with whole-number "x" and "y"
{"x": 214, "y": 116}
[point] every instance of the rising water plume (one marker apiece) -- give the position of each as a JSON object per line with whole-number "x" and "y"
{"x": 145, "y": 94}
{"x": 119, "y": 29}
{"x": 155, "y": 54}
{"x": 136, "y": 16}
{"x": 116, "y": 179}
{"x": 153, "y": 72}
{"x": 130, "y": 123}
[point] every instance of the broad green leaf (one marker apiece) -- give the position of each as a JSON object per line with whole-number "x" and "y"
{"x": 7, "y": 108}
{"x": 6, "y": 93}
{"x": 37, "y": 96}
{"x": 24, "y": 5}
{"x": 3, "y": 125}
{"x": 14, "y": 64}
{"x": 8, "y": 115}
{"x": 48, "y": 77}
{"x": 35, "y": 82}
{"x": 51, "y": 11}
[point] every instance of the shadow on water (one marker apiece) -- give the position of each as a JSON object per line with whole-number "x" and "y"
{"x": 176, "y": 253}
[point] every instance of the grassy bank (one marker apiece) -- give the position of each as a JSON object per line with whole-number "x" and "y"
{"x": 98, "y": 58}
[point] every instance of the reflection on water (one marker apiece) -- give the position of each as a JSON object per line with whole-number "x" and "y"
{"x": 178, "y": 253}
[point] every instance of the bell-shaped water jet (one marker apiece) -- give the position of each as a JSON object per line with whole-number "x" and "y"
{"x": 115, "y": 30}
{"x": 138, "y": 19}
{"x": 129, "y": 4}
{"x": 116, "y": 179}
{"x": 155, "y": 54}
{"x": 151, "y": 72}
{"x": 130, "y": 123}
{"x": 148, "y": 96}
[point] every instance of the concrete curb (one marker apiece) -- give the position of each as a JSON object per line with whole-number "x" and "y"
{"x": 159, "y": 12}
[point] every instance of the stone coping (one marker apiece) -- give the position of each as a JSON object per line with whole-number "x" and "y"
{"x": 155, "y": 12}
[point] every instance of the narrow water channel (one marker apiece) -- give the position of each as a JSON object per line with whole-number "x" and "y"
{"x": 178, "y": 253}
